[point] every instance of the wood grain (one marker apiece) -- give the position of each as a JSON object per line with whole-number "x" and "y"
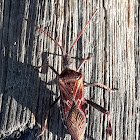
{"x": 112, "y": 36}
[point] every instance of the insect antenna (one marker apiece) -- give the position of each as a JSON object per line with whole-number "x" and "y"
{"x": 62, "y": 49}
{"x": 82, "y": 31}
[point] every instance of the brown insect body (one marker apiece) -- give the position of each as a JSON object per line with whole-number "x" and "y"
{"x": 73, "y": 104}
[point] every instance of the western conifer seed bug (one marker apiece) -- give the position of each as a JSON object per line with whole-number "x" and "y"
{"x": 73, "y": 103}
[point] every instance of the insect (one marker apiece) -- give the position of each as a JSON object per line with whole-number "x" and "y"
{"x": 73, "y": 103}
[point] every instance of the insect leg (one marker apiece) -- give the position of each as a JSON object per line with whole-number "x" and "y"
{"x": 103, "y": 110}
{"x": 99, "y": 85}
{"x": 57, "y": 74}
{"x": 85, "y": 60}
{"x": 48, "y": 111}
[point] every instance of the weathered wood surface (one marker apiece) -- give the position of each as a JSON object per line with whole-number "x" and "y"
{"x": 26, "y": 93}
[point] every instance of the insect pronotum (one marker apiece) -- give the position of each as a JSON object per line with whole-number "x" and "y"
{"x": 73, "y": 103}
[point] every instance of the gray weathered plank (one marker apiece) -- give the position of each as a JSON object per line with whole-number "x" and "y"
{"x": 25, "y": 93}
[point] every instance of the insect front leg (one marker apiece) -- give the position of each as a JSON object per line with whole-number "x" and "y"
{"x": 38, "y": 67}
{"x": 103, "y": 110}
{"x": 83, "y": 61}
{"x": 57, "y": 74}
{"x": 48, "y": 111}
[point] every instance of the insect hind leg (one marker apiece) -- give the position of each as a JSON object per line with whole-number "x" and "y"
{"x": 103, "y": 110}
{"x": 48, "y": 111}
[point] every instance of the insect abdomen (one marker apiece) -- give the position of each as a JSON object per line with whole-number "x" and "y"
{"x": 76, "y": 123}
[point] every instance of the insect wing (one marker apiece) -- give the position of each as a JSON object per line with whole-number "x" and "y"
{"x": 76, "y": 123}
